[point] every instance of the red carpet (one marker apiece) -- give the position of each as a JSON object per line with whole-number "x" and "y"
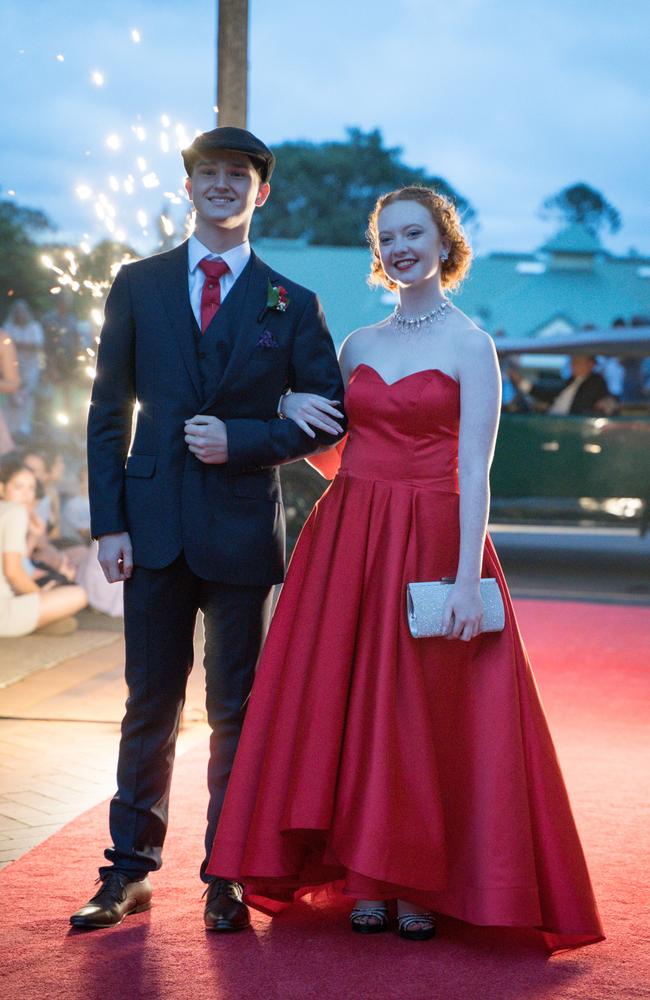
{"x": 593, "y": 667}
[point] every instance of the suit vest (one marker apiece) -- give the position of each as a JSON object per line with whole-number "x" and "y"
{"x": 215, "y": 345}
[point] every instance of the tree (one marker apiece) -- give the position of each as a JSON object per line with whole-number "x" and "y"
{"x": 324, "y": 192}
{"x": 582, "y": 204}
{"x": 22, "y": 276}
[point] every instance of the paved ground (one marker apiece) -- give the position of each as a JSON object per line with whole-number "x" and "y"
{"x": 59, "y": 732}
{"x": 605, "y": 564}
{"x": 21, "y": 657}
{"x": 61, "y": 698}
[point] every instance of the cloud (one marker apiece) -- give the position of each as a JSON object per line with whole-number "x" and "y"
{"x": 508, "y": 100}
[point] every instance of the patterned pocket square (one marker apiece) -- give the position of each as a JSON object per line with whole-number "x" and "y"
{"x": 267, "y": 340}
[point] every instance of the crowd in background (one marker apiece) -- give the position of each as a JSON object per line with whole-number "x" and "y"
{"x": 49, "y": 569}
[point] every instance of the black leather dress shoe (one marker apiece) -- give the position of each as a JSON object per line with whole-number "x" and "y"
{"x": 119, "y": 895}
{"x": 224, "y": 909}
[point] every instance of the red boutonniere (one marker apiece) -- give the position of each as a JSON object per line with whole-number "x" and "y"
{"x": 277, "y": 298}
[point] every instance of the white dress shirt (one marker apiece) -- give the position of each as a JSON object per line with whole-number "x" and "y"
{"x": 236, "y": 259}
{"x": 564, "y": 400}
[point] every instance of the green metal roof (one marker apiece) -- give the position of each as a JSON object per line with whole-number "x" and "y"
{"x": 521, "y": 293}
{"x": 337, "y": 274}
{"x": 574, "y": 239}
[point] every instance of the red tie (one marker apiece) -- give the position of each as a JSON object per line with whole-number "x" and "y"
{"x": 211, "y": 294}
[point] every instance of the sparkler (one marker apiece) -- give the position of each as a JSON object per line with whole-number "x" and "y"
{"x": 126, "y": 199}
{"x": 139, "y": 139}
{"x": 135, "y": 149}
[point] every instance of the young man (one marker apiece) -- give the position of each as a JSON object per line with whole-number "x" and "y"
{"x": 205, "y": 338}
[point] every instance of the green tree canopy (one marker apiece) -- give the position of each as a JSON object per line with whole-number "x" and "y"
{"x": 22, "y": 276}
{"x": 324, "y": 192}
{"x": 582, "y": 204}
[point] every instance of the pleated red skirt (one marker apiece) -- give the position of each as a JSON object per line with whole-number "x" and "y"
{"x": 388, "y": 767}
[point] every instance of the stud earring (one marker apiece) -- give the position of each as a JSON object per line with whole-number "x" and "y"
{"x": 444, "y": 255}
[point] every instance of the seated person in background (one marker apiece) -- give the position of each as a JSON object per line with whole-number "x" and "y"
{"x": 48, "y": 466}
{"x": 108, "y": 598}
{"x": 49, "y": 562}
{"x": 75, "y": 514}
{"x": 635, "y": 389}
{"x": 46, "y": 564}
{"x": 585, "y": 392}
{"x": 24, "y": 607}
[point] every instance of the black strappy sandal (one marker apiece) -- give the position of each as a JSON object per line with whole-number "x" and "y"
{"x": 406, "y": 921}
{"x": 359, "y": 919}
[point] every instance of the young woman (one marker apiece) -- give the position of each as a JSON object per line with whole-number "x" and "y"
{"x": 394, "y": 768}
{"x": 24, "y": 606}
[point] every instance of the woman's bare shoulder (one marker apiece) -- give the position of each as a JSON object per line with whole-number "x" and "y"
{"x": 355, "y": 345}
{"x": 469, "y": 336}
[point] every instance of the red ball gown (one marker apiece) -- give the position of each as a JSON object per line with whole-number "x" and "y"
{"x": 385, "y": 766}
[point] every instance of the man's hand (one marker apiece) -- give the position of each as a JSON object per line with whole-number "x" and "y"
{"x": 607, "y": 405}
{"x": 207, "y": 438}
{"x": 116, "y": 556}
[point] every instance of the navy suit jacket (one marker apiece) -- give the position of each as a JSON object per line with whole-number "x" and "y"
{"x": 228, "y": 519}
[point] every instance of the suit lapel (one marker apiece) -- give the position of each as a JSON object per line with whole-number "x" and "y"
{"x": 242, "y": 319}
{"x": 174, "y": 288}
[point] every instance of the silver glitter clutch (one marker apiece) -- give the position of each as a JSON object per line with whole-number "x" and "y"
{"x": 425, "y": 601}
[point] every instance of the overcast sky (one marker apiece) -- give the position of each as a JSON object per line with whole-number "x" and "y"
{"x": 509, "y": 100}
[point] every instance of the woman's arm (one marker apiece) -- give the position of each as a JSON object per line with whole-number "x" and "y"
{"x": 9, "y": 369}
{"x": 36, "y": 532}
{"x": 16, "y": 575}
{"x": 480, "y": 387}
{"x": 54, "y": 526}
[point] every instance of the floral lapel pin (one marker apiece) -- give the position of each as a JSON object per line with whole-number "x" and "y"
{"x": 277, "y": 297}
{"x": 267, "y": 340}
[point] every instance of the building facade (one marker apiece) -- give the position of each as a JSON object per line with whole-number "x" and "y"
{"x": 570, "y": 282}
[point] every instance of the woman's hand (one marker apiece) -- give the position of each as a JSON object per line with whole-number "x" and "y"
{"x": 309, "y": 410}
{"x": 462, "y": 615}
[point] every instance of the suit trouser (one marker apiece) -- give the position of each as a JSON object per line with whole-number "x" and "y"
{"x": 160, "y": 609}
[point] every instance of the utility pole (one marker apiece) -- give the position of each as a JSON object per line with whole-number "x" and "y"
{"x": 232, "y": 62}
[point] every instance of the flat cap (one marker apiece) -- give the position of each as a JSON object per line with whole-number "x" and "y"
{"x": 229, "y": 137}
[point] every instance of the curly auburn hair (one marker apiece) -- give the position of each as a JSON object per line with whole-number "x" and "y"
{"x": 445, "y": 215}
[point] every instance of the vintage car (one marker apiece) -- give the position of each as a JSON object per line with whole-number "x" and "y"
{"x": 574, "y": 470}
{"x": 588, "y": 469}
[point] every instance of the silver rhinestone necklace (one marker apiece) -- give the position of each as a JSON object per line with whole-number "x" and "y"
{"x": 407, "y": 324}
